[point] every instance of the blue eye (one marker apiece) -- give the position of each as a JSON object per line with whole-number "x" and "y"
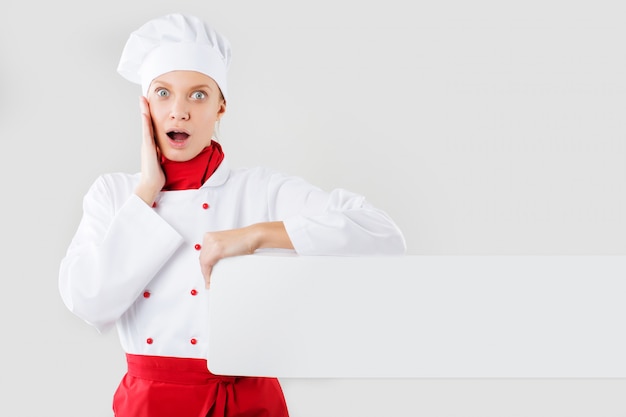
{"x": 198, "y": 95}
{"x": 162, "y": 92}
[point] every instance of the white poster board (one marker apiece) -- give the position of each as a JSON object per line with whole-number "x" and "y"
{"x": 419, "y": 316}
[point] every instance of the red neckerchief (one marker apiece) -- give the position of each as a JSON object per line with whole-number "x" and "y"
{"x": 188, "y": 175}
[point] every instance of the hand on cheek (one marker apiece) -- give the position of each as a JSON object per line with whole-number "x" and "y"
{"x": 152, "y": 177}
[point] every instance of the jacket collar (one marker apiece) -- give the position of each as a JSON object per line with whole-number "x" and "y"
{"x": 220, "y": 176}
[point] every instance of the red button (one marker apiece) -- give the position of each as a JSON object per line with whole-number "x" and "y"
{"x": 194, "y": 292}
{"x": 149, "y": 340}
{"x": 146, "y": 294}
{"x": 154, "y": 204}
{"x": 205, "y": 206}
{"x": 193, "y": 341}
{"x": 197, "y": 246}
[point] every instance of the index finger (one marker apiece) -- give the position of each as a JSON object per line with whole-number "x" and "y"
{"x": 146, "y": 118}
{"x": 144, "y": 105}
{"x": 206, "y": 272}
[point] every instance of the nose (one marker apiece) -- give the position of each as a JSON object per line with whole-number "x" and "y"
{"x": 179, "y": 111}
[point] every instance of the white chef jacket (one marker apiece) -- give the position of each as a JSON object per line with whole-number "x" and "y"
{"x": 138, "y": 266}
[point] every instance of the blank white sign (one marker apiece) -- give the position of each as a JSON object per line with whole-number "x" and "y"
{"x": 419, "y": 316}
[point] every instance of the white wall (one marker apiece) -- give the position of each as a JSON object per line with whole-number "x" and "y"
{"x": 482, "y": 127}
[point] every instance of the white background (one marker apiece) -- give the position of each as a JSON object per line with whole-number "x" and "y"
{"x": 481, "y": 127}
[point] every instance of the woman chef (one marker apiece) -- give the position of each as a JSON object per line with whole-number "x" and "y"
{"x": 143, "y": 252}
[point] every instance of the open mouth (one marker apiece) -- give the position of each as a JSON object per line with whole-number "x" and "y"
{"x": 178, "y": 136}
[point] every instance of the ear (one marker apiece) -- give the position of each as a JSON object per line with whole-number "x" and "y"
{"x": 221, "y": 110}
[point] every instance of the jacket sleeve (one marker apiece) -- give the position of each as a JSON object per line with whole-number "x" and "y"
{"x": 338, "y": 222}
{"x": 113, "y": 255}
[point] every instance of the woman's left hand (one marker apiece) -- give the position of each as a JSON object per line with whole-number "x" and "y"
{"x": 244, "y": 241}
{"x": 223, "y": 244}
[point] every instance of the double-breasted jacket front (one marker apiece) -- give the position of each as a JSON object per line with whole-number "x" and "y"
{"x": 137, "y": 266}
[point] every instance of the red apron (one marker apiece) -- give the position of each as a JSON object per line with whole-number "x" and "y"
{"x": 158, "y": 386}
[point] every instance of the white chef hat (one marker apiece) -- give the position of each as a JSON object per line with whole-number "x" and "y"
{"x": 174, "y": 42}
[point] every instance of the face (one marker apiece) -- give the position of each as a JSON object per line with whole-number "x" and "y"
{"x": 184, "y": 106}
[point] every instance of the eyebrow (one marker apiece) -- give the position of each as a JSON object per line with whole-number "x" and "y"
{"x": 194, "y": 87}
